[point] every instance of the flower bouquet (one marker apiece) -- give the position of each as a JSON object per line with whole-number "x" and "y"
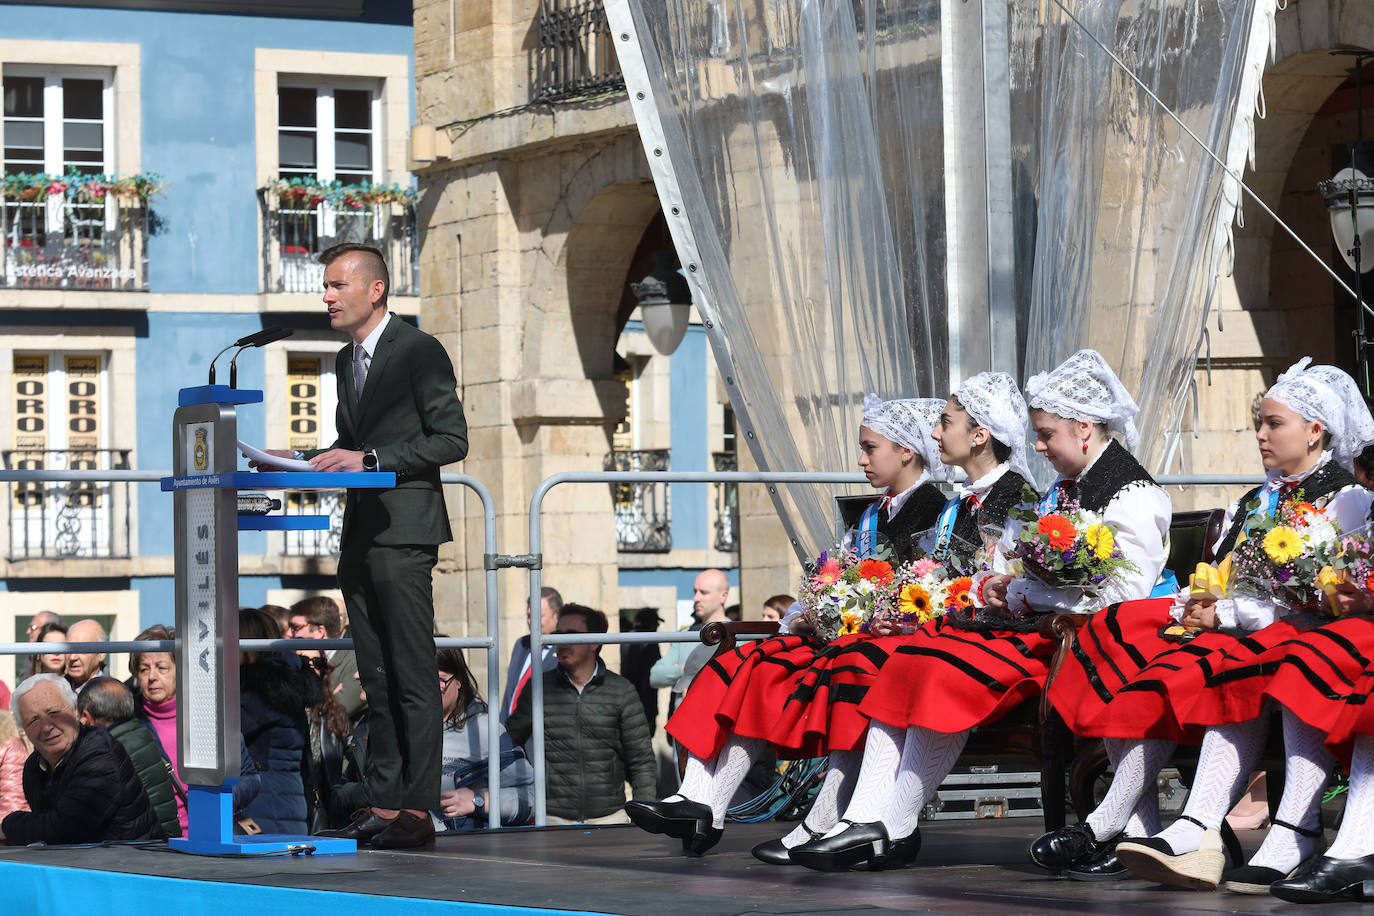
{"x": 1348, "y": 560}
{"x": 1068, "y": 547}
{"x": 1278, "y": 557}
{"x": 845, "y": 594}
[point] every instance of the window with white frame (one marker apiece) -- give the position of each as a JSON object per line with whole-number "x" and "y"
{"x": 56, "y": 120}
{"x": 329, "y": 131}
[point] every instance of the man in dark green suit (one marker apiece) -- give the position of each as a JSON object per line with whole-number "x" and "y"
{"x": 408, "y": 420}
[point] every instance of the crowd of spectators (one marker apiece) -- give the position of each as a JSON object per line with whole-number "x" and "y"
{"x": 86, "y": 757}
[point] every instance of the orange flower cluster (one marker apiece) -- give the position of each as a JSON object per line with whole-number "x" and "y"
{"x": 1059, "y": 530}
{"x": 958, "y": 597}
{"x": 879, "y": 571}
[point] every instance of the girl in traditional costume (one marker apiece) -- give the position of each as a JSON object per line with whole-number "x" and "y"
{"x": 1149, "y": 674}
{"x": 961, "y": 671}
{"x": 738, "y": 700}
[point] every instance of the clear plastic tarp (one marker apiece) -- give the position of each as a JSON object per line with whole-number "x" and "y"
{"x": 807, "y": 144}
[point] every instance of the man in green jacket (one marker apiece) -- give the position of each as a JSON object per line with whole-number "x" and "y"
{"x": 108, "y": 704}
{"x": 595, "y": 735}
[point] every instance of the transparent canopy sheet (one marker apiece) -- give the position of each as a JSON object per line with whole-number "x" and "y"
{"x": 806, "y": 140}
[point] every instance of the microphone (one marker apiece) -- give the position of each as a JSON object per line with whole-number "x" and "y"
{"x": 258, "y": 339}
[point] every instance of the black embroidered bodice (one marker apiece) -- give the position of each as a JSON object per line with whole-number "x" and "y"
{"x": 920, "y": 512}
{"x": 968, "y": 525}
{"x": 1115, "y": 470}
{"x": 1325, "y": 481}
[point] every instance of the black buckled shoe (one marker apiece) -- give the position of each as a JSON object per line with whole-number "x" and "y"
{"x": 1256, "y": 879}
{"x": 683, "y": 820}
{"x": 1069, "y": 846}
{"x": 1106, "y": 867}
{"x": 775, "y": 853}
{"x": 855, "y": 845}
{"x": 900, "y": 853}
{"x": 1325, "y": 879}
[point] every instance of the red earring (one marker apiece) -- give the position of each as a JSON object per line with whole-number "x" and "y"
{"x": 1085, "y": 446}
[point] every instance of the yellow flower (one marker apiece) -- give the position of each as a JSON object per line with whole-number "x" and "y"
{"x": 849, "y": 623}
{"x": 915, "y": 600}
{"x": 1100, "y": 539}
{"x": 1282, "y": 544}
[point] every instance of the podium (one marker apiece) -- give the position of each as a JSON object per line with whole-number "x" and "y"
{"x": 206, "y": 523}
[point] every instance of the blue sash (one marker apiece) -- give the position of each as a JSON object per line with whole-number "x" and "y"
{"x": 1050, "y": 501}
{"x": 946, "y": 529}
{"x": 866, "y": 537}
{"x": 1167, "y": 586}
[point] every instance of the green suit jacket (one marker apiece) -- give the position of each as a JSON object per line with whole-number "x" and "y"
{"x": 411, "y": 415}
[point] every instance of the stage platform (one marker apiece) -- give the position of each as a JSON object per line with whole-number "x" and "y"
{"x": 965, "y": 867}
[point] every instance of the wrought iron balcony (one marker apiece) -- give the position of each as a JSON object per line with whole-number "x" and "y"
{"x": 641, "y": 509}
{"x": 575, "y": 56}
{"x": 59, "y": 243}
{"x": 727, "y": 504}
{"x": 314, "y": 502}
{"x": 56, "y": 520}
{"x": 294, "y": 232}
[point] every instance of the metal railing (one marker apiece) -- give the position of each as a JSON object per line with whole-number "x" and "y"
{"x": 293, "y": 238}
{"x": 58, "y": 520}
{"x": 532, "y": 561}
{"x": 61, "y": 244}
{"x": 642, "y": 510}
{"x": 727, "y": 504}
{"x": 575, "y": 56}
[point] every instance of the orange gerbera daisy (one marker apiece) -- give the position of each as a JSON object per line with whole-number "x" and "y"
{"x": 879, "y": 571}
{"x": 1059, "y": 531}
{"x": 957, "y": 594}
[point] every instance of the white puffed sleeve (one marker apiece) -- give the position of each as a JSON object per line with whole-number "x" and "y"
{"x": 1141, "y": 516}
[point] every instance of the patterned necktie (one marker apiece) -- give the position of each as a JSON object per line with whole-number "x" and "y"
{"x": 359, "y": 370}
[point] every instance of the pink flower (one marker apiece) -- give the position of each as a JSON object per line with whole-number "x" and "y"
{"x": 924, "y": 567}
{"x": 57, "y": 187}
{"x": 829, "y": 573}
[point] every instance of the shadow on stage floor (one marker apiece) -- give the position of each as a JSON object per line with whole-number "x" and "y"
{"x": 964, "y": 867}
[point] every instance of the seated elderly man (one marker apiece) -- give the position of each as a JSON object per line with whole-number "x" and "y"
{"x": 79, "y": 782}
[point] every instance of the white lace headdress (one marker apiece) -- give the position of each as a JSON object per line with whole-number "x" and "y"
{"x": 1085, "y": 388}
{"x": 1329, "y": 396}
{"x": 908, "y": 422}
{"x": 993, "y": 400}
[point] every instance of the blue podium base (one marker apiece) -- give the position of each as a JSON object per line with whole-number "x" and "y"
{"x": 210, "y": 831}
{"x": 266, "y": 844}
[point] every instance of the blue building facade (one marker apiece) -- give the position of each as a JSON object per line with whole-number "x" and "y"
{"x": 118, "y": 287}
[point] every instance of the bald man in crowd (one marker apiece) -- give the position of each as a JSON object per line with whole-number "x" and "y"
{"x": 682, "y": 660}
{"x": 82, "y": 667}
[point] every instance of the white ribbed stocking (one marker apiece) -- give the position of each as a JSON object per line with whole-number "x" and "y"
{"x": 1307, "y": 770}
{"x": 927, "y": 759}
{"x": 1228, "y": 755}
{"x": 1131, "y": 803}
{"x": 877, "y": 774}
{"x": 732, "y": 765}
{"x": 835, "y": 790}
{"x": 1356, "y": 837}
{"x": 696, "y": 780}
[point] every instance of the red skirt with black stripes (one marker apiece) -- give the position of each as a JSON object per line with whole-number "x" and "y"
{"x": 1110, "y": 650}
{"x": 950, "y": 680}
{"x": 802, "y": 700}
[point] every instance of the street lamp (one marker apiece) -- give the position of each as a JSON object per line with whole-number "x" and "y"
{"x": 665, "y": 302}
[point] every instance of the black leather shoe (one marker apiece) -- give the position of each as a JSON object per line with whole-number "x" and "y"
{"x": 407, "y": 831}
{"x": 1106, "y": 867}
{"x": 857, "y": 844}
{"x": 772, "y": 852}
{"x": 683, "y": 820}
{"x": 364, "y": 826}
{"x": 1069, "y": 846}
{"x": 1251, "y": 879}
{"x": 1325, "y": 879}
{"x": 900, "y": 853}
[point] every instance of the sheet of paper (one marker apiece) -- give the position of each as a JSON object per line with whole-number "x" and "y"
{"x": 272, "y": 462}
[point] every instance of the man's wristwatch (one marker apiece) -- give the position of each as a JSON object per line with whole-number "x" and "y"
{"x": 479, "y": 805}
{"x": 370, "y": 460}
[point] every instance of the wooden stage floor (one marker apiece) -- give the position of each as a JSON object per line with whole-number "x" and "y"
{"x": 965, "y": 867}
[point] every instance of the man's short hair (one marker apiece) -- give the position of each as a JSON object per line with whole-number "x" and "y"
{"x": 63, "y": 688}
{"x": 550, "y": 594}
{"x": 373, "y": 264}
{"x": 107, "y": 700}
{"x": 596, "y": 621}
{"x": 320, "y": 611}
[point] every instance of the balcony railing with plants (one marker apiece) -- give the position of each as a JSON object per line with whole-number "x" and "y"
{"x": 302, "y": 217}
{"x": 727, "y": 504}
{"x": 56, "y": 520}
{"x": 76, "y": 231}
{"x": 641, "y": 509}
{"x": 575, "y": 56}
